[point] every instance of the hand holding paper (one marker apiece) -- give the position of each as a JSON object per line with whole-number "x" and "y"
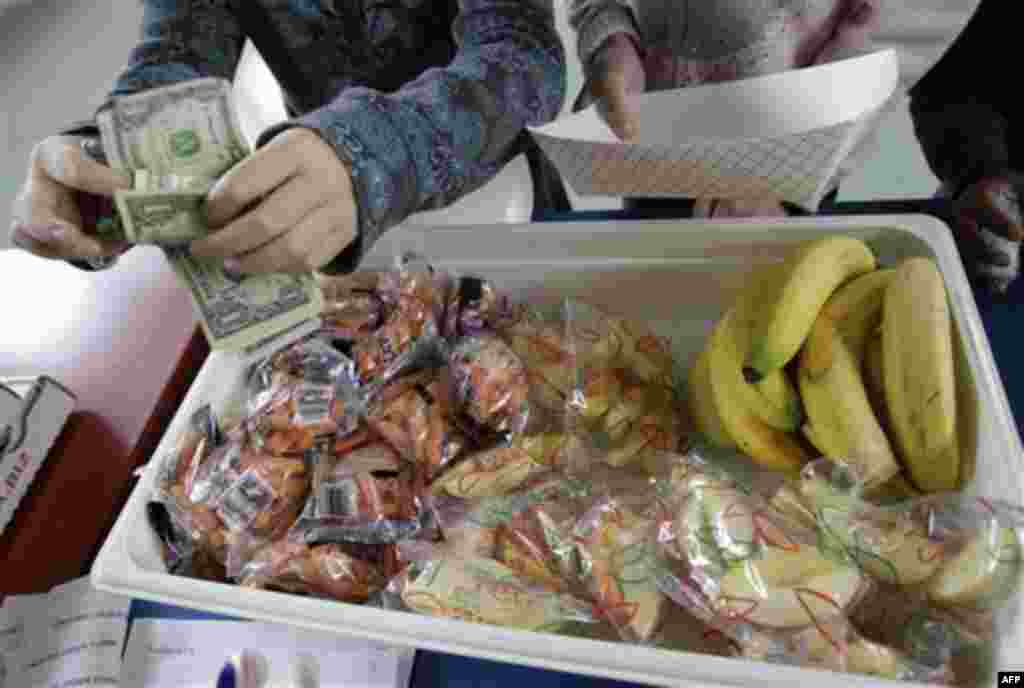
{"x": 779, "y": 136}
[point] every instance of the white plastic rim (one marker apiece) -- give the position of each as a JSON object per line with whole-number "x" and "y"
{"x": 609, "y": 261}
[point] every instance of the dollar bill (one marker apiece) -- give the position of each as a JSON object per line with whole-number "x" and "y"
{"x": 166, "y": 210}
{"x": 239, "y": 312}
{"x": 190, "y": 128}
{"x": 176, "y": 141}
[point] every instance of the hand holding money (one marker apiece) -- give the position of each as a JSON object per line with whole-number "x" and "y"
{"x": 288, "y": 207}
{"x": 55, "y": 212}
{"x": 176, "y": 142}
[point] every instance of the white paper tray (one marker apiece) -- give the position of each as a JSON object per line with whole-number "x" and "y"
{"x": 677, "y": 275}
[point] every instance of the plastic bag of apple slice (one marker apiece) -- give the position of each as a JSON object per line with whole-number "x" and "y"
{"x": 621, "y": 398}
{"x": 760, "y": 578}
{"x": 947, "y": 569}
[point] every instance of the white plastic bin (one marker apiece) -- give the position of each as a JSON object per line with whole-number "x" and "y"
{"x": 677, "y": 275}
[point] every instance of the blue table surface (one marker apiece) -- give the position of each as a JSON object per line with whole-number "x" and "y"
{"x": 436, "y": 669}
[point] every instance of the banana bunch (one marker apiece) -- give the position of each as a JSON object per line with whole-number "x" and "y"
{"x": 870, "y": 351}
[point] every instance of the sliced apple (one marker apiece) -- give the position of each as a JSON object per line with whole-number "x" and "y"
{"x": 887, "y": 543}
{"x": 484, "y": 591}
{"x": 788, "y": 589}
{"x": 982, "y": 574}
{"x": 621, "y": 574}
{"x": 854, "y": 654}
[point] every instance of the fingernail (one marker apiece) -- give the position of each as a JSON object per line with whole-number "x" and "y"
{"x": 233, "y": 269}
{"x": 44, "y": 233}
{"x": 227, "y": 678}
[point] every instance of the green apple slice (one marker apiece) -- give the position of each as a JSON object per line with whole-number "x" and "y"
{"x": 982, "y": 574}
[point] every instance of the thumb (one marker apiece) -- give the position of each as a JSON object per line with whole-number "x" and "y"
{"x": 613, "y": 104}
{"x": 63, "y": 160}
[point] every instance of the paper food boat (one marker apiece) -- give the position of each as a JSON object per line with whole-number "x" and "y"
{"x": 781, "y": 136}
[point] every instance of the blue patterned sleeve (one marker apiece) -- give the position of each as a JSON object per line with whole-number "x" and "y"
{"x": 450, "y": 130}
{"x": 181, "y": 40}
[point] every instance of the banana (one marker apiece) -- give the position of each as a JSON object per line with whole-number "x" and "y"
{"x": 840, "y": 421}
{"x": 856, "y": 308}
{"x": 874, "y": 380}
{"x": 766, "y": 445}
{"x": 702, "y": 403}
{"x": 814, "y": 271}
{"x": 773, "y": 398}
{"x": 919, "y": 377}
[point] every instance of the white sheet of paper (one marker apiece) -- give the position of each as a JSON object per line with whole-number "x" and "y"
{"x": 780, "y": 135}
{"x": 181, "y": 654}
{"x": 74, "y": 637}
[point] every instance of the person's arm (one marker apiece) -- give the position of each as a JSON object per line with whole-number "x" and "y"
{"x": 957, "y": 118}
{"x": 451, "y": 130}
{"x": 963, "y": 110}
{"x": 180, "y": 40}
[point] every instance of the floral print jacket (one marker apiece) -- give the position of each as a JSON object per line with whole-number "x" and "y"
{"x": 425, "y": 99}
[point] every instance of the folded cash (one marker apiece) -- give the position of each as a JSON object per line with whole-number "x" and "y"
{"x": 239, "y": 313}
{"x": 176, "y": 141}
{"x": 166, "y": 210}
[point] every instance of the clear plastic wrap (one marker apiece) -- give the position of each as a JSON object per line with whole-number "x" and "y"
{"x": 504, "y": 468}
{"x": 415, "y": 415}
{"x": 473, "y": 526}
{"x": 490, "y": 384}
{"x": 541, "y": 342}
{"x": 305, "y": 391}
{"x": 182, "y": 556}
{"x": 947, "y": 567}
{"x": 363, "y": 495}
{"x": 481, "y": 590}
{"x": 622, "y": 402}
{"x": 965, "y": 552}
{"x": 476, "y": 306}
{"x": 806, "y": 572}
{"x": 232, "y": 492}
{"x": 414, "y": 298}
{"x": 194, "y": 521}
{"x": 617, "y": 557}
{"x": 339, "y": 572}
{"x": 351, "y": 315}
{"x": 745, "y": 569}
